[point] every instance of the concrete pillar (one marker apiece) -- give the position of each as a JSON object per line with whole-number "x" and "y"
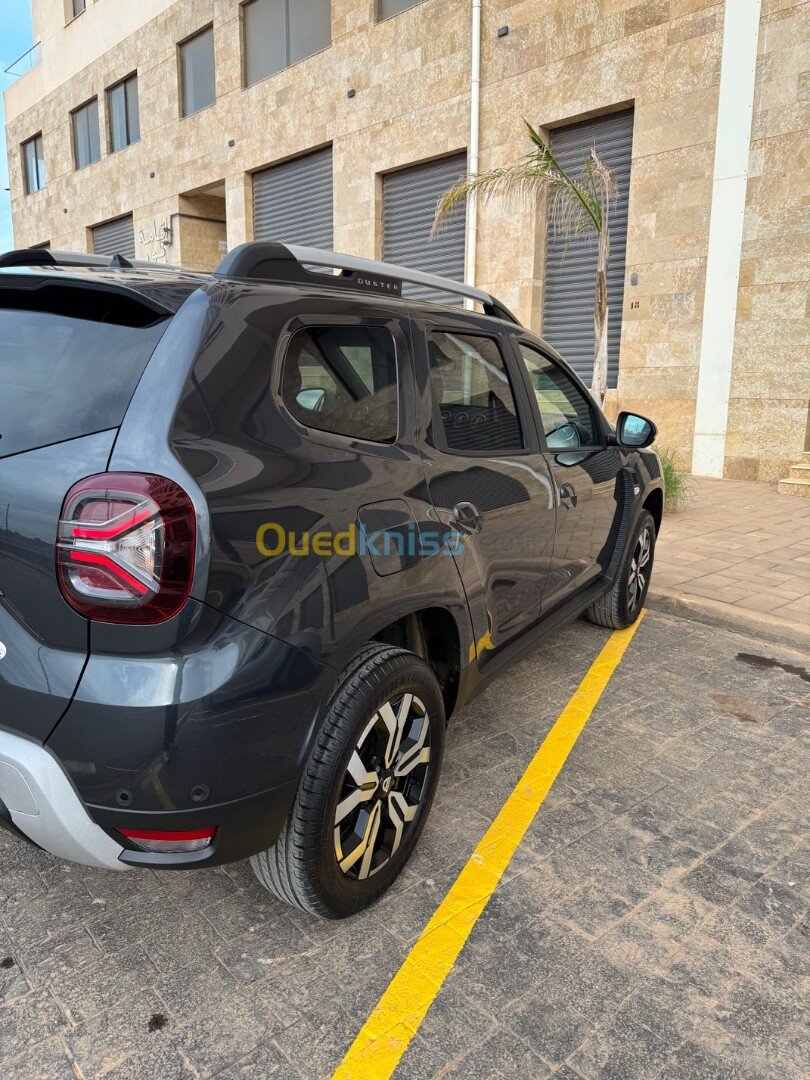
{"x": 238, "y": 209}
{"x": 732, "y": 149}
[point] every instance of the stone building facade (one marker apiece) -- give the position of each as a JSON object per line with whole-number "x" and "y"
{"x": 715, "y": 336}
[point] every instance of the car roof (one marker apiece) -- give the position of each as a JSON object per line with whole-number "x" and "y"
{"x": 253, "y": 264}
{"x": 167, "y": 289}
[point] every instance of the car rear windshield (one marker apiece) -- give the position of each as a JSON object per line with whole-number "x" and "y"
{"x": 70, "y": 359}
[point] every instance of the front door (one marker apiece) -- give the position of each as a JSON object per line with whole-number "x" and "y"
{"x": 584, "y": 470}
{"x": 487, "y": 479}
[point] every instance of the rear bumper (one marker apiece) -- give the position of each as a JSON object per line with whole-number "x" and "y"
{"x": 213, "y": 734}
{"x": 39, "y": 803}
{"x": 42, "y": 803}
{"x": 195, "y": 732}
{"x": 243, "y": 828}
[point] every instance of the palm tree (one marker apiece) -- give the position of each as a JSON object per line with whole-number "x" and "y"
{"x": 577, "y": 207}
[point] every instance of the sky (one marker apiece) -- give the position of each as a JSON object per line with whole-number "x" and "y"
{"x": 15, "y": 38}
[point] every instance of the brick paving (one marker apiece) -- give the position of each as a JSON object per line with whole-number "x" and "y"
{"x": 654, "y": 922}
{"x": 742, "y": 544}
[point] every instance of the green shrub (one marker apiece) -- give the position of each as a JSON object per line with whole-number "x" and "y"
{"x": 677, "y": 481}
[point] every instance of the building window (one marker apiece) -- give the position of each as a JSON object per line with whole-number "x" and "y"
{"x": 122, "y": 110}
{"x": 387, "y": 8}
{"x": 279, "y": 33}
{"x": 34, "y": 162}
{"x": 78, "y": 7}
{"x": 197, "y": 78}
{"x": 86, "y": 141}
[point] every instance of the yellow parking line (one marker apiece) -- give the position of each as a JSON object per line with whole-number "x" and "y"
{"x": 385, "y": 1036}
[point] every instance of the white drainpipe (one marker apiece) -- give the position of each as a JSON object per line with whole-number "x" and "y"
{"x": 472, "y": 165}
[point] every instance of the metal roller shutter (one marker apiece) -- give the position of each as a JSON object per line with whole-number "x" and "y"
{"x": 570, "y": 278}
{"x": 115, "y": 238}
{"x": 292, "y": 202}
{"x": 409, "y": 205}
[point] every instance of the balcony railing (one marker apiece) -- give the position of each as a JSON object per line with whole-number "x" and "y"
{"x": 24, "y": 63}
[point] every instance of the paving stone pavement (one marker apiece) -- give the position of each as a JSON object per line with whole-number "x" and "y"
{"x": 741, "y": 544}
{"x": 654, "y": 922}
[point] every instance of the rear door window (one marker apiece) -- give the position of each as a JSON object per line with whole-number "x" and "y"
{"x": 472, "y": 387}
{"x": 70, "y": 359}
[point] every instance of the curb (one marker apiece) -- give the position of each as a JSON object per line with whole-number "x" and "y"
{"x": 739, "y": 620}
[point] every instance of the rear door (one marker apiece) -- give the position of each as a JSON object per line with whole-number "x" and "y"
{"x": 488, "y": 481}
{"x": 70, "y": 358}
{"x": 583, "y": 467}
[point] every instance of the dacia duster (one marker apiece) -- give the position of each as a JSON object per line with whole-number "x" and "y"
{"x": 261, "y": 532}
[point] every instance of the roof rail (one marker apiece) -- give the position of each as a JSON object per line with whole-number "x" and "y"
{"x": 46, "y": 257}
{"x": 268, "y": 261}
{"x": 49, "y": 257}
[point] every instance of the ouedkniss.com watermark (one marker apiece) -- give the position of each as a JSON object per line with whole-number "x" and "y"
{"x": 410, "y": 542}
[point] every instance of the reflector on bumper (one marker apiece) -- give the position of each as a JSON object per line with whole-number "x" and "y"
{"x": 161, "y": 841}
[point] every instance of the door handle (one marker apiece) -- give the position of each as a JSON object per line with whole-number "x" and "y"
{"x": 568, "y": 496}
{"x": 467, "y": 517}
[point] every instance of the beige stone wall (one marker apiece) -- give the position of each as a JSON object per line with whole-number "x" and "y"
{"x": 561, "y": 61}
{"x": 770, "y": 384}
{"x": 202, "y": 230}
{"x": 69, "y": 45}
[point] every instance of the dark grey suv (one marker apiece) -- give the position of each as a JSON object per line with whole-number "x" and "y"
{"x": 261, "y": 533}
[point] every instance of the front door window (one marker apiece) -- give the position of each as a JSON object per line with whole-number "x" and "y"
{"x": 566, "y": 412}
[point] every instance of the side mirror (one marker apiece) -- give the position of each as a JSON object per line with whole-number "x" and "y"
{"x": 565, "y": 437}
{"x": 311, "y": 399}
{"x": 634, "y": 431}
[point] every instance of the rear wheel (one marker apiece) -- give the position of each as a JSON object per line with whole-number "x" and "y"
{"x": 620, "y": 607}
{"x": 366, "y": 789}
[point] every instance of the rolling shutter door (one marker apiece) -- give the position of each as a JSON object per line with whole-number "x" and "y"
{"x": 292, "y": 202}
{"x": 409, "y": 205}
{"x": 570, "y": 278}
{"x": 115, "y": 238}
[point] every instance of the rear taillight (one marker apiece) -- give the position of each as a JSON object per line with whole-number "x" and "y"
{"x": 125, "y": 549}
{"x": 187, "y": 840}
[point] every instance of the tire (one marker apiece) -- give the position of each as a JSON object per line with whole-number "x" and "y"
{"x": 621, "y": 606}
{"x": 325, "y": 866}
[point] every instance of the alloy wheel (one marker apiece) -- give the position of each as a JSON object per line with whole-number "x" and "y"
{"x": 639, "y": 570}
{"x": 382, "y": 787}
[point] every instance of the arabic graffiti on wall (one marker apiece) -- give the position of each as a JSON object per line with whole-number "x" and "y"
{"x": 155, "y": 238}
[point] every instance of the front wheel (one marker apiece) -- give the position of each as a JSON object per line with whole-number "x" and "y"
{"x": 366, "y": 790}
{"x": 621, "y": 606}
